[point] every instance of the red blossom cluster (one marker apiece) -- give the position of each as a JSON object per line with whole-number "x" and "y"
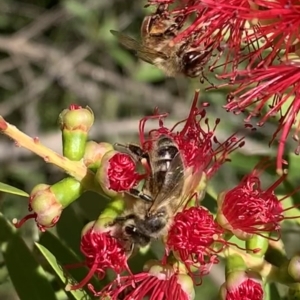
{"x": 254, "y": 45}
{"x": 240, "y": 32}
{"x": 195, "y": 236}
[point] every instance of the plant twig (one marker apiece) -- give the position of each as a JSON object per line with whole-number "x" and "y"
{"x": 75, "y": 169}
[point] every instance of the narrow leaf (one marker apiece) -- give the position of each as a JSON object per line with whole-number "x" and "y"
{"x": 27, "y": 276}
{"x": 70, "y": 223}
{"x": 12, "y": 190}
{"x": 78, "y": 294}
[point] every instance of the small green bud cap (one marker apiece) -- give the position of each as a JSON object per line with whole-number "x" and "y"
{"x": 67, "y": 191}
{"x": 75, "y": 124}
{"x": 294, "y": 268}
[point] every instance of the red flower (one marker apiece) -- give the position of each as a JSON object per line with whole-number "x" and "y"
{"x": 117, "y": 173}
{"x": 217, "y": 26}
{"x": 121, "y": 172}
{"x": 265, "y": 84}
{"x": 196, "y": 140}
{"x": 280, "y": 84}
{"x": 102, "y": 251}
{"x": 192, "y": 237}
{"x": 242, "y": 285}
{"x": 158, "y": 282}
{"x": 249, "y": 209}
{"x": 278, "y": 29}
{"x": 74, "y": 107}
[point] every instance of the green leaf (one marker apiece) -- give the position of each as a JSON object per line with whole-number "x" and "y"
{"x": 91, "y": 205}
{"x": 12, "y": 190}
{"x": 78, "y": 294}
{"x": 70, "y": 223}
{"x": 27, "y": 276}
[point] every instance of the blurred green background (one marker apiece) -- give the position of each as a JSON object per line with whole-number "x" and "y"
{"x": 57, "y": 53}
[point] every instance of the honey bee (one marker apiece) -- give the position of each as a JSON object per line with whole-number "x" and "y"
{"x": 157, "y": 48}
{"x": 163, "y": 195}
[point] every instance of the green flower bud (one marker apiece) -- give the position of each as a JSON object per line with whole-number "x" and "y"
{"x": 45, "y": 206}
{"x": 47, "y": 202}
{"x": 288, "y": 272}
{"x": 294, "y": 268}
{"x": 75, "y": 124}
{"x": 94, "y": 153}
{"x": 67, "y": 190}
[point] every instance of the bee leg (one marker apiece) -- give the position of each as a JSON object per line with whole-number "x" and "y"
{"x": 138, "y": 194}
{"x": 136, "y": 151}
{"x": 146, "y": 197}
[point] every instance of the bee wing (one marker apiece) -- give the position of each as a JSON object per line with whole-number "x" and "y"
{"x": 143, "y": 52}
{"x": 173, "y": 183}
{"x": 191, "y": 183}
{"x": 185, "y": 183}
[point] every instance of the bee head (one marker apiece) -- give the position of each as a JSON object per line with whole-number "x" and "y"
{"x": 136, "y": 235}
{"x": 130, "y": 230}
{"x": 193, "y": 62}
{"x": 157, "y": 220}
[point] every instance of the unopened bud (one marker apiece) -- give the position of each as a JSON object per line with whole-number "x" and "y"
{"x": 47, "y": 202}
{"x": 75, "y": 124}
{"x": 45, "y": 206}
{"x": 294, "y": 268}
{"x": 94, "y": 153}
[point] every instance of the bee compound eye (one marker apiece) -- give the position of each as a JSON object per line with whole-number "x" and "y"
{"x": 179, "y": 19}
{"x": 191, "y": 57}
{"x": 161, "y": 8}
{"x": 170, "y": 30}
{"x": 193, "y": 62}
{"x": 130, "y": 230}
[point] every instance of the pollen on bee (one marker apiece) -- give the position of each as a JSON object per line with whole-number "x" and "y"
{"x": 171, "y": 44}
{"x": 146, "y": 166}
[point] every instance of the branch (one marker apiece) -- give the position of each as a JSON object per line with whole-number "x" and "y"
{"x": 75, "y": 169}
